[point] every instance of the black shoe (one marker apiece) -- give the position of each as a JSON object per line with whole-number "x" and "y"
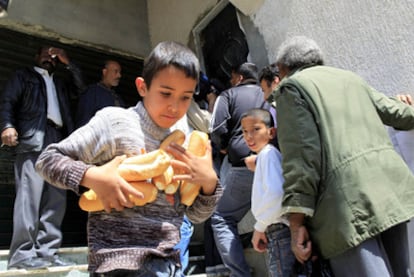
{"x": 59, "y": 261}
{"x": 33, "y": 263}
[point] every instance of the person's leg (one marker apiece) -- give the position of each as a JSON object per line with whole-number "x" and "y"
{"x": 232, "y": 206}
{"x": 29, "y": 186}
{"x": 280, "y": 255}
{"x": 367, "y": 259}
{"x": 186, "y": 231}
{"x": 52, "y": 209}
{"x": 395, "y": 241}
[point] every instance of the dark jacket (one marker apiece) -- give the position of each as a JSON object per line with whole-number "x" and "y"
{"x": 226, "y": 128}
{"x": 23, "y": 106}
{"x": 94, "y": 98}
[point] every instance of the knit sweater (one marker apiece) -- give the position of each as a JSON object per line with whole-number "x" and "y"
{"x": 122, "y": 240}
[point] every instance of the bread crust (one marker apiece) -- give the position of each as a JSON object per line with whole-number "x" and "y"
{"x": 197, "y": 145}
{"x": 145, "y": 166}
{"x": 90, "y": 202}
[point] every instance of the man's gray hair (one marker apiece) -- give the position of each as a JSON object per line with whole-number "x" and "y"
{"x": 299, "y": 51}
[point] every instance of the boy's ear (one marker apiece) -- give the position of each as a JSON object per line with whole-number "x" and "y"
{"x": 272, "y": 132}
{"x": 141, "y": 86}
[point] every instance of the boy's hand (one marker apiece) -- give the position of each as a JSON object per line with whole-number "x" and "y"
{"x": 194, "y": 169}
{"x": 111, "y": 189}
{"x": 250, "y": 162}
{"x": 259, "y": 241}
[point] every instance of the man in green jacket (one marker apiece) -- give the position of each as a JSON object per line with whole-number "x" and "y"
{"x": 348, "y": 194}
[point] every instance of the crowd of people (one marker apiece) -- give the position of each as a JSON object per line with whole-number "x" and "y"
{"x": 300, "y": 144}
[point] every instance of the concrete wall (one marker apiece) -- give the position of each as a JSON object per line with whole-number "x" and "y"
{"x": 175, "y": 19}
{"x": 371, "y": 37}
{"x": 120, "y": 26}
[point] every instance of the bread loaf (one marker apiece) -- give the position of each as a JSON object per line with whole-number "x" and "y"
{"x": 197, "y": 145}
{"x": 89, "y": 201}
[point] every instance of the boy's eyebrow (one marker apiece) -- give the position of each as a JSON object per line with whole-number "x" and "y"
{"x": 170, "y": 88}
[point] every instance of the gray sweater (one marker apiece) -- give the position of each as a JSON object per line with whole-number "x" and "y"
{"x": 122, "y": 240}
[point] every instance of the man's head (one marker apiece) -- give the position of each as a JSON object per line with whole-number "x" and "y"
{"x": 44, "y": 60}
{"x": 269, "y": 79}
{"x": 243, "y": 72}
{"x": 297, "y": 52}
{"x": 111, "y": 74}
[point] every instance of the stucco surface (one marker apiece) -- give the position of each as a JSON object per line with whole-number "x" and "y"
{"x": 374, "y": 38}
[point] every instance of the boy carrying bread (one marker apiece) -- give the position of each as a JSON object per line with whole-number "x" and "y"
{"x": 124, "y": 239}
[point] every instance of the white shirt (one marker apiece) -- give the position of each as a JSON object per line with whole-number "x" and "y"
{"x": 53, "y": 112}
{"x": 267, "y": 190}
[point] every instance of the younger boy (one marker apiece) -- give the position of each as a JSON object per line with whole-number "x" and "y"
{"x": 128, "y": 240}
{"x": 271, "y": 231}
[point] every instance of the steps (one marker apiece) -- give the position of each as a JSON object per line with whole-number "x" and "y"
{"x": 76, "y": 254}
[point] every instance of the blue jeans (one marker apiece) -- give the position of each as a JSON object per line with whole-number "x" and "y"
{"x": 384, "y": 255}
{"x": 156, "y": 267}
{"x": 186, "y": 231}
{"x": 281, "y": 257}
{"x": 231, "y": 208}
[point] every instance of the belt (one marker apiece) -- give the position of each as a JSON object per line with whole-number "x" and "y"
{"x": 276, "y": 226}
{"x": 51, "y": 123}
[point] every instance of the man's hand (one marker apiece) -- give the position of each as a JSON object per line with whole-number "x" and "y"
{"x": 60, "y": 54}
{"x": 9, "y": 137}
{"x": 301, "y": 244}
{"x": 405, "y": 98}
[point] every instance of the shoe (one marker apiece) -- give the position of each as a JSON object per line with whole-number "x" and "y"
{"x": 32, "y": 263}
{"x": 59, "y": 261}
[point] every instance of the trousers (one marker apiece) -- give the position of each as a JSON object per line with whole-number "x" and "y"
{"x": 383, "y": 255}
{"x": 231, "y": 208}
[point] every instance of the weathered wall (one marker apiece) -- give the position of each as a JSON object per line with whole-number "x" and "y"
{"x": 114, "y": 25}
{"x": 371, "y": 37}
{"x": 175, "y": 19}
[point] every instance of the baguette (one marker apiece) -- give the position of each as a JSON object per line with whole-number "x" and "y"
{"x": 145, "y": 166}
{"x": 197, "y": 146}
{"x": 164, "y": 180}
{"x": 176, "y": 136}
{"x": 89, "y": 200}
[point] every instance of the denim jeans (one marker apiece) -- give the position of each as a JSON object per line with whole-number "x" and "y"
{"x": 186, "y": 231}
{"x": 281, "y": 257}
{"x": 231, "y": 208}
{"x": 384, "y": 255}
{"x": 156, "y": 267}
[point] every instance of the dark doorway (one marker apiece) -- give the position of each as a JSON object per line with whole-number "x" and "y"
{"x": 224, "y": 45}
{"x": 17, "y": 50}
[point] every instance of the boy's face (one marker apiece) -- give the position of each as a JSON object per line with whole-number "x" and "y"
{"x": 169, "y": 97}
{"x": 255, "y": 133}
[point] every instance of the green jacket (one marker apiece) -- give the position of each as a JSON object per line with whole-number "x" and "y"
{"x": 339, "y": 165}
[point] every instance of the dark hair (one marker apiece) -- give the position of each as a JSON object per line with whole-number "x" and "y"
{"x": 268, "y": 73}
{"x": 106, "y": 62}
{"x": 264, "y": 115}
{"x": 170, "y": 53}
{"x": 247, "y": 70}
